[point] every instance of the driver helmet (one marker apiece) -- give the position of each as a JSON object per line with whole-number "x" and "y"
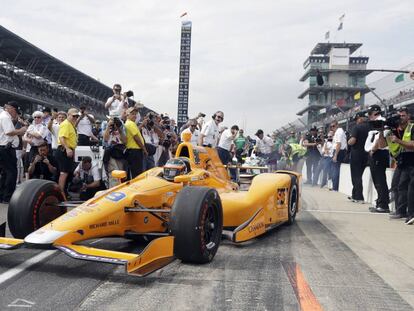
{"x": 176, "y": 167}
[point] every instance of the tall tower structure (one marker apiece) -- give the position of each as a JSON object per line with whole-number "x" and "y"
{"x": 335, "y": 80}
{"x": 184, "y": 76}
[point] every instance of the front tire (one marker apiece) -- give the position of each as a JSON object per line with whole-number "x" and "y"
{"x": 196, "y": 224}
{"x": 33, "y": 205}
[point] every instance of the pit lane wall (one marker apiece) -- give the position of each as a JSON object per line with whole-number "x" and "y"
{"x": 345, "y": 182}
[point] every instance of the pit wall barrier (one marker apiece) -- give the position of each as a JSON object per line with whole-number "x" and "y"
{"x": 345, "y": 182}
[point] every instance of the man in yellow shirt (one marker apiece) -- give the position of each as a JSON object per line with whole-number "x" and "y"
{"x": 67, "y": 140}
{"x": 135, "y": 144}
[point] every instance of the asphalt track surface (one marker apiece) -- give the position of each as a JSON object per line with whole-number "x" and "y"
{"x": 299, "y": 267}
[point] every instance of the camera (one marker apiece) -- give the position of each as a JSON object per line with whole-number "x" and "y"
{"x": 167, "y": 141}
{"x": 129, "y": 93}
{"x": 392, "y": 121}
{"x": 116, "y": 125}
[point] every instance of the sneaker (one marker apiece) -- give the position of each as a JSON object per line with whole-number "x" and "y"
{"x": 350, "y": 199}
{"x": 409, "y": 220}
{"x": 358, "y": 201}
{"x": 373, "y": 209}
{"x": 397, "y": 216}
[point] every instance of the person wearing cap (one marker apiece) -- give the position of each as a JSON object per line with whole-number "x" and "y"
{"x": 67, "y": 143}
{"x": 135, "y": 147}
{"x": 210, "y": 131}
{"x": 53, "y": 127}
{"x": 400, "y": 142}
{"x": 200, "y": 120}
{"x": 358, "y": 156}
{"x": 35, "y": 134}
{"x": 378, "y": 159}
{"x": 8, "y": 142}
{"x": 117, "y": 103}
{"x": 340, "y": 145}
{"x": 313, "y": 155}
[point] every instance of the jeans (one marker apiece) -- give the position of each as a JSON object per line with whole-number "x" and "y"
{"x": 324, "y": 166}
{"x": 358, "y": 162}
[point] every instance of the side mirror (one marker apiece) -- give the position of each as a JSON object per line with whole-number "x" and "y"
{"x": 118, "y": 174}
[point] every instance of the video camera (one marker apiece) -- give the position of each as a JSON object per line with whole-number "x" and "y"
{"x": 391, "y": 120}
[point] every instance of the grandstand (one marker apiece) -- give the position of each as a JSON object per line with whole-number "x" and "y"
{"x": 36, "y": 79}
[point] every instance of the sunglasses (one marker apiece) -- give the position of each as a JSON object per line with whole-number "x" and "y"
{"x": 219, "y": 117}
{"x": 193, "y": 125}
{"x": 37, "y": 117}
{"x": 117, "y": 90}
{"x": 75, "y": 115}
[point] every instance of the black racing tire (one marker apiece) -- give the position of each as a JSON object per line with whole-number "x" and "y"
{"x": 31, "y": 206}
{"x": 196, "y": 224}
{"x": 293, "y": 200}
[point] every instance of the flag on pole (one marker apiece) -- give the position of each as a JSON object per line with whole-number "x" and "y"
{"x": 341, "y": 25}
{"x": 399, "y": 78}
{"x": 341, "y": 19}
{"x": 357, "y": 96}
{"x": 327, "y": 35}
{"x": 184, "y": 14}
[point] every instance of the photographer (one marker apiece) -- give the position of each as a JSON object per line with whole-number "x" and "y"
{"x": 86, "y": 179}
{"x": 43, "y": 166}
{"x": 378, "y": 159}
{"x": 117, "y": 104}
{"x": 170, "y": 140}
{"x": 313, "y": 155}
{"x": 114, "y": 137}
{"x": 401, "y": 146}
{"x": 84, "y": 126}
{"x": 325, "y": 163}
{"x": 358, "y": 157}
{"x": 152, "y": 134}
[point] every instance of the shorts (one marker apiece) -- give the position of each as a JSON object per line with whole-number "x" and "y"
{"x": 66, "y": 164}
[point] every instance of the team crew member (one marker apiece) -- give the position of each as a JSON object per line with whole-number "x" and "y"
{"x": 226, "y": 145}
{"x": 135, "y": 144}
{"x": 68, "y": 140}
{"x": 210, "y": 131}
{"x": 8, "y": 142}
{"x": 401, "y": 145}
{"x": 241, "y": 144}
{"x": 359, "y": 157}
{"x": 264, "y": 144}
{"x": 312, "y": 155}
{"x": 378, "y": 162}
{"x": 195, "y": 133}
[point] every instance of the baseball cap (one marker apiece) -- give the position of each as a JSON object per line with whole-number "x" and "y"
{"x": 259, "y": 132}
{"x": 314, "y": 128}
{"x": 200, "y": 114}
{"x": 47, "y": 109}
{"x": 131, "y": 109}
{"x": 359, "y": 115}
{"x": 374, "y": 108}
{"x": 15, "y": 105}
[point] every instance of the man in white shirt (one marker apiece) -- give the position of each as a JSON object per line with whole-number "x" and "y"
{"x": 118, "y": 103}
{"x": 192, "y": 129}
{"x": 339, "y": 143}
{"x": 8, "y": 142}
{"x": 378, "y": 160}
{"x": 53, "y": 126}
{"x": 84, "y": 127}
{"x": 210, "y": 131}
{"x": 264, "y": 144}
{"x": 87, "y": 179}
{"x": 226, "y": 144}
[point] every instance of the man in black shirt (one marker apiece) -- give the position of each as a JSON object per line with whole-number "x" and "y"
{"x": 358, "y": 157}
{"x": 312, "y": 155}
{"x": 43, "y": 165}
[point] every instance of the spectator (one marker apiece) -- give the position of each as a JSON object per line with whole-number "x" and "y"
{"x": 152, "y": 135}
{"x": 68, "y": 141}
{"x": 358, "y": 156}
{"x": 192, "y": 129}
{"x": 53, "y": 126}
{"x": 135, "y": 144}
{"x": 241, "y": 144}
{"x": 170, "y": 141}
{"x": 200, "y": 120}
{"x": 292, "y": 138}
{"x": 340, "y": 145}
{"x": 43, "y": 165}
{"x": 86, "y": 179}
{"x": 325, "y": 163}
{"x": 378, "y": 160}
{"x": 35, "y": 134}
{"x": 313, "y": 155}
{"x": 8, "y": 142}
{"x": 47, "y": 116}
{"x": 114, "y": 137}
{"x": 84, "y": 126}
{"x": 117, "y": 103}
{"x": 210, "y": 131}
{"x": 264, "y": 145}
{"x": 97, "y": 130}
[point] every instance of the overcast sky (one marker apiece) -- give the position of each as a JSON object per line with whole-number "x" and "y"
{"x": 246, "y": 56}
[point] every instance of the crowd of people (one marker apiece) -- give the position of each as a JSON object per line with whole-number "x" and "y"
{"x": 44, "y": 147}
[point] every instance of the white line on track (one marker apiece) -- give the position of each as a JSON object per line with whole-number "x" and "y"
{"x": 24, "y": 265}
{"x": 342, "y": 212}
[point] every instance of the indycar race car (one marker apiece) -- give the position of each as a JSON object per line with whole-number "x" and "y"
{"x": 184, "y": 209}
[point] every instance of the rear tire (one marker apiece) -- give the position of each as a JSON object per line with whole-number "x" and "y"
{"x": 32, "y": 206}
{"x": 196, "y": 224}
{"x": 293, "y": 200}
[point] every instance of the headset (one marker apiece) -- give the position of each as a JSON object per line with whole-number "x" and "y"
{"x": 215, "y": 114}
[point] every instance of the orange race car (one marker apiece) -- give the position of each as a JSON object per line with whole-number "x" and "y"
{"x": 182, "y": 208}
